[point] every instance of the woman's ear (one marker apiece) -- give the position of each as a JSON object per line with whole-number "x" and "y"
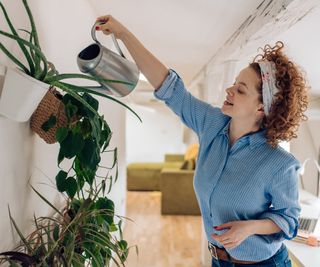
{"x": 260, "y": 111}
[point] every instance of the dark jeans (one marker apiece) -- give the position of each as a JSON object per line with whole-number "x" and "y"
{"x": 280, "y": 259}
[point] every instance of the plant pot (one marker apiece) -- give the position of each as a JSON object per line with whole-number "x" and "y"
{"x": 51, "y": 104}
{"x": 20, "y": 95}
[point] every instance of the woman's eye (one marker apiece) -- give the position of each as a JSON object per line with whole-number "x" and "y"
{"x": 239, "y": 91}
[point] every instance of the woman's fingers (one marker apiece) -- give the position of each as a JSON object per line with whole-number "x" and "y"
{"x": 104, "y": 28}
{"x": 103, "y": 18}
{"x": 107, "y": 32}
{"x": 111, "y": 25}
{"x": 221, "y": 238}
{"x": 223, "y": 226}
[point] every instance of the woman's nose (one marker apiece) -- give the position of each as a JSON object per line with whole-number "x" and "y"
{"x": 229, "y": 90}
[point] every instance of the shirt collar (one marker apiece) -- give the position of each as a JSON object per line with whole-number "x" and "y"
{"x": 255, "y": 139}
{"x": 225, "y": 129}
{"x": 258, "y": 138}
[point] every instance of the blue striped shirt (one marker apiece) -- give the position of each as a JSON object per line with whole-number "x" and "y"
{"x": 249, "y": 180}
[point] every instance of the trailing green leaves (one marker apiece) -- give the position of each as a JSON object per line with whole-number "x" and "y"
{"x": 61, "y": 181}
{"x": 80, "y": 233}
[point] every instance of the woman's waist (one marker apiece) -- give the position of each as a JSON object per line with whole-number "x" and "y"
{"x": 254, "y": 248}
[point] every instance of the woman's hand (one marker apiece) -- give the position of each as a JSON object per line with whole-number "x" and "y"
{"x": 152, "y": 68}
{"x": 110, "y": 25}
{"x": 237, "y": 232}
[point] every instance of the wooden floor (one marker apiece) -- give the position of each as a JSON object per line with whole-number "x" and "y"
{"x": 163, "y": 241}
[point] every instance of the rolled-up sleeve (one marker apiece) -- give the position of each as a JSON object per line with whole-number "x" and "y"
{"x": 285, "y": 208}
{"x": 191, "y": 110}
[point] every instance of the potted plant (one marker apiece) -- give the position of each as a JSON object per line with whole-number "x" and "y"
{"x": 82, "y": 232}
{"x": 37, "y": 77}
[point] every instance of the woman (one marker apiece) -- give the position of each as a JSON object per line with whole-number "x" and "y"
{"x": 246, "y": 185}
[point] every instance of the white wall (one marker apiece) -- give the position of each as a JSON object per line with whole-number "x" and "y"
{"x": 158, "y": 134}
{"x": 24, "y": 157}
{"x": 305, "y": 147}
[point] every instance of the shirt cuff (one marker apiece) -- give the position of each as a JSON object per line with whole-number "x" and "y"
{"x": 287, "y": 233}
{"x": 166, "y": 89}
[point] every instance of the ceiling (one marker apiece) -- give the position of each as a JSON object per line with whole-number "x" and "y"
{"x": 185, "y": 34}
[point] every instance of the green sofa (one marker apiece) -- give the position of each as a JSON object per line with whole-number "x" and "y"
{"x": 175, "y": 184}
{"x": 178, "y": 197}
{"x": 145, "y": 176}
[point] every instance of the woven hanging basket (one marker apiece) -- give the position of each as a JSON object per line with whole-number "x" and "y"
{"x": 51, "y": 104}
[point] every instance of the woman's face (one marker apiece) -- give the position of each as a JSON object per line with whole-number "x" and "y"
{"x": 242, "y": 100}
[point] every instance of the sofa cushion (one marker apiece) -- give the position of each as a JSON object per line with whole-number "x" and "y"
{"x": 172, "y": 165}
{"x": 173, "y": 157}
{"x": 144, "y": 176}
{"x": 178, "y": 196}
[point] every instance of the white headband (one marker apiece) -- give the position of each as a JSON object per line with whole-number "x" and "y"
{"x": 269, "y": 89}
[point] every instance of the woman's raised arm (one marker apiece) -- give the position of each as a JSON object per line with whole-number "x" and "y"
{"x": 154, "y": 70}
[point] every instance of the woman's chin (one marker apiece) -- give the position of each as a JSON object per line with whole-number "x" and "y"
{"x": 224, "y": 110}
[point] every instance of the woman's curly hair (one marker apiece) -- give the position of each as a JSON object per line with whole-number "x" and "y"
{"x": 290, "y": 102}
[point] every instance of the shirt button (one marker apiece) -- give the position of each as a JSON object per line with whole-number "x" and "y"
{"x": 210, "y": 214}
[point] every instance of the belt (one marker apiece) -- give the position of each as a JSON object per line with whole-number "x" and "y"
{"x": 221, "y": 254}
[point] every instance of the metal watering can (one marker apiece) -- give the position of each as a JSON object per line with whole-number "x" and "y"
{"x": 101, "y": 62}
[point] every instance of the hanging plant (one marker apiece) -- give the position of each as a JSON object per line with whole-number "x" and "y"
{"x": 83, "y": 232}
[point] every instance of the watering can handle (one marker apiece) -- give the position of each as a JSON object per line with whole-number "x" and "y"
{"x": 94, "y": 37}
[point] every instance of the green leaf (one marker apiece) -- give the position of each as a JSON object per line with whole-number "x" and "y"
{"x": 23, "y": 48}
{"x": 33, "y": 47}
{"x": 80, "y": 181}
{"x": 89, "y": 175}
{"x": 123, "y": 244}
{"x": 90, "y": 154}
{"x": 51, "y": 122}
{"x": 68, "y": 239}
{"x": 106, "y": 142}
{"x": 70, "y": 110}
{"x": 110, "y": 184}
{"x": 40, "y": 251}
{"x": 60, "y": 156}
{"x": 61, "y": 134}
{"x": 65, "y": 76}
{"x": 70, "y": 87}
{"x": 61, "y": 181}
{"x": 67, "y": 98}
{"x": 103, "y": 186}
{"x": 35, "y": 37}
{"x": 14, "y": 264}
{"x": 115, "y": 157}
{"x": 71, "y": 187}
{"x": 91, "y": 101}
{"x": 85, "y": 127}
{"x": 72, "y": 145}
{"x": 98, "y": 259}
{"x": 56, "y": 232}
{"x": 47, "y": 201}
{"x": 23, "y": 239}
{"x": 112, "y": 227}
{"x": 107, "y": 206}
{"x": 14, "y": 59}
{"x": 96, "y": 128}
{"x": 104, "y": 136}
{"x": 117, "y": 174}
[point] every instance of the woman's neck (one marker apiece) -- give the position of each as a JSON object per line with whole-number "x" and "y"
{"x": 239, "y": 129}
